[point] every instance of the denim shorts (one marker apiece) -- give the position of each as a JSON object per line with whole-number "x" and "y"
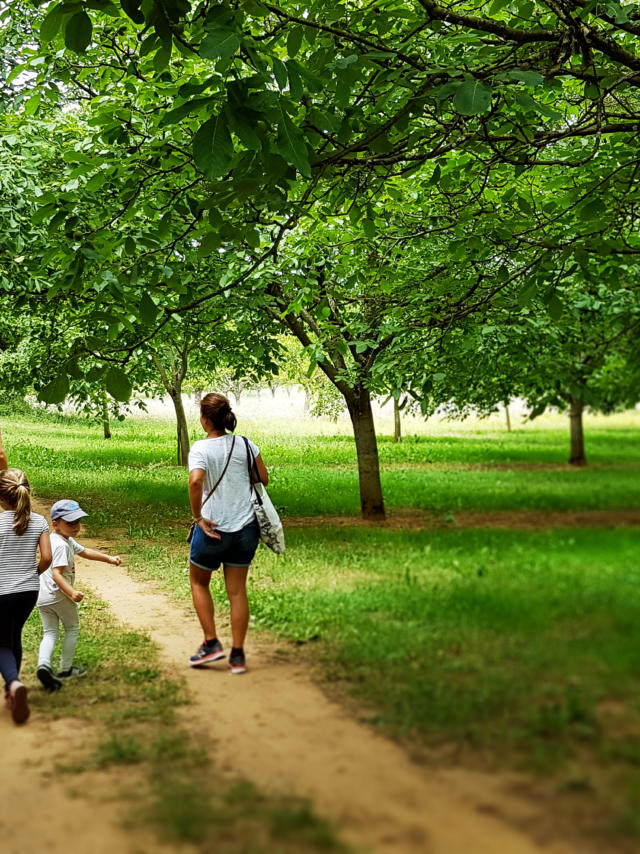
{"x": 234, "y": 548}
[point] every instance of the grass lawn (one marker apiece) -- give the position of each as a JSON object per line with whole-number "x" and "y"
{"x": 518, "y": 645}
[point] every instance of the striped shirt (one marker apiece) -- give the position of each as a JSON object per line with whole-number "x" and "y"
{"x": 18, "y": 567}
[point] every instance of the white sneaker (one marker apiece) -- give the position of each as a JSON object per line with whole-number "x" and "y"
{"x": 71, "y": 673}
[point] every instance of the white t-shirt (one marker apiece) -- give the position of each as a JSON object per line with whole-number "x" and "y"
{"x": 230, "y": 505}
{"x": 63, "y": 552}
{"x": 18, "y": 567}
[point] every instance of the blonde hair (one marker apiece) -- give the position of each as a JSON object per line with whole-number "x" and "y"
{"x": 15, "y": 492}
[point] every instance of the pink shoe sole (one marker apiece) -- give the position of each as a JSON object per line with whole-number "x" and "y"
{"x": 209, "y": 659}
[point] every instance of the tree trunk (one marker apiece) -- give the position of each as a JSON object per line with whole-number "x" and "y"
{"x": 371, "y": 501}
{"x": 182, "y": 431}
{"x": 105, "y": 417}
{"x": 577, "y": 457}
{"x": 397, "y": 426}
{"x": 506, "y": 412}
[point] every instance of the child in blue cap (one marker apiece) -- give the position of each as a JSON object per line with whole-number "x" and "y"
{"x": 58, "y": 599}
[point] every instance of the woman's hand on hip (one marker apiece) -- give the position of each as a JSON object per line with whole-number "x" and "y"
{"x": 209, "y": 528}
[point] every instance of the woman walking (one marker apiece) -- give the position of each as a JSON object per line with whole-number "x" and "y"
{"x": 21, "y": 534}
{"x": 226, "y": 531}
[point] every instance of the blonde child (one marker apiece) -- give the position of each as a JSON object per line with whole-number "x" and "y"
{"x": 22, "y": 533}
{"x": 58, "y": 599}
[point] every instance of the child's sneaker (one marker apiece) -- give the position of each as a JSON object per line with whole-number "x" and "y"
{"x": 208, "y": 652}
{"x": 237, "y": 662}
{"x": 48, "y": 681}
{"x": 18, "y": 701}
{"x": 72, "y": 673}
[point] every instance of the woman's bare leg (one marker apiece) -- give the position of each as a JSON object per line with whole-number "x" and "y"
{"x": 235, "y": 579}
{"x": 202, "y": 601}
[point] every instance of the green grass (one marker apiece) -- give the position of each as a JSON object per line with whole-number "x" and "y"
{"x": 118, "y": 690}
{"x": 509, "y": 644}
{"x": 131, "y": 481}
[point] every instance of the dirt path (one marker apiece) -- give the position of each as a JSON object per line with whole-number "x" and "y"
{"x": 43, "y": 811}
{"x": 525, "y": 520}
{"x": 275, "y": 727}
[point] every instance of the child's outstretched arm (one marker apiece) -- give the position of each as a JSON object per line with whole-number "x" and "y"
{"x": 63, "y": 584}
{"x": 92, "y": 554}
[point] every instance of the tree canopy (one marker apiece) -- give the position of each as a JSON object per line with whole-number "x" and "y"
{"x": 374, "y": 178}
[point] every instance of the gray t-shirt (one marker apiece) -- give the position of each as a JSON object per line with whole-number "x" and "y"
{"x": 18, "y": 568}
{"x": 63, "y": 552}
{"x": 230, "y": 505}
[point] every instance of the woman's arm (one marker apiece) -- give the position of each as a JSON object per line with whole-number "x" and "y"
{"x": 262, "y": 470}
{"x": 196, "y": 480}
{"x": 44, "y": 544}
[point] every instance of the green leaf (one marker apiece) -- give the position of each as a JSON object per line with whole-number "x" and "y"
{"x": 592, "y": 210}
{"x": 220, "y": 44}
{"x": 178, "y": 113}
{"x": 280, "y": 72}
{"x": 51, "y": 24}
{"x": 592, "y": 91}
{"x": 355, "y": 214}
{"x": 94, "y": 375}
{"x": 96, "y": 181}
{"x": 555, "y": 307}
{"x": 132, "y": 9}
{"x": 213, "y": 148}
{"x": 162, "y": 57}
{"x": 210, "y": 242}
{"x": 291, "y": 144}
{"x": 252, "y": 236}
{"x": 56, "y": 390}
{"x": 31, "y": 106}
{"x": 369, "y": 228}
{"x": 296, "y": 88}
{"x": 294, "y": 41}
{"x": 148, "y": 309}
{"x": 42, "y": 213}
{"x": 243, "y": 124}
{"x": 529, "y": 78}
{"x": 472, "y": 98}
{"x": 77, "y": 33}
{"x": 530, "y": 103}
{"x": 117, "y": 384}
{"x": 74, "y": 371}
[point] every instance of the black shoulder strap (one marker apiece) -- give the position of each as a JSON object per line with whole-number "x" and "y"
{"x": 224, "y": 471}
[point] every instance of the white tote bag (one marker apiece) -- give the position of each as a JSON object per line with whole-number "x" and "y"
{"x": 271, "y": 531}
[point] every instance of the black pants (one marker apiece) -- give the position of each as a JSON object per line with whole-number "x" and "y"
{"x": 14, "y": 613}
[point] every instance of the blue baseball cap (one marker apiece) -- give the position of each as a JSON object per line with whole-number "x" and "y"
{"x": 68, "y": 511}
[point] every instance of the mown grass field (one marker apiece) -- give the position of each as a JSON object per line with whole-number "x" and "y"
{"x": 517, "y": 646}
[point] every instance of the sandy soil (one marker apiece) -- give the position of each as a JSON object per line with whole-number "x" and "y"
{"x": 275, "y": 727}
{"x": 43, "y": 811}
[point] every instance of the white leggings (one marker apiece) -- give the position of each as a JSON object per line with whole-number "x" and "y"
{"x": 65, "y": 612}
